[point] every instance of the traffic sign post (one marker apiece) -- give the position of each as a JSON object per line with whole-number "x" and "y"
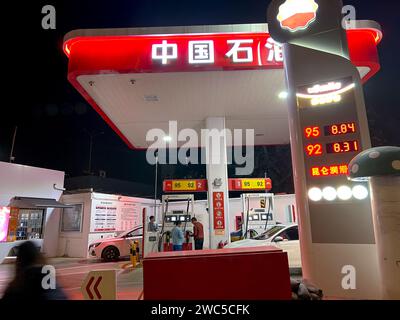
{"x": 100, "y": 285}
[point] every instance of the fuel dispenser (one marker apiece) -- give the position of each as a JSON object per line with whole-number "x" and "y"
{"x": 150, "y": 238}
{"x": 258, "y": 213}
{"x": 182, "y": 210}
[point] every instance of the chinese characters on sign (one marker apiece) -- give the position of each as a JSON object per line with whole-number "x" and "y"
{"x": 201, "y": 51}
{"x": 164, "y": 51}
{"x": 259, "y": 50}
{"x": 326, "y": 171}
{"x": 219, "y": 210}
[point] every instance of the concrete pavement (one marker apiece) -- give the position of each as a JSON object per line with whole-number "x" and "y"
{"x": 71, "y": 272}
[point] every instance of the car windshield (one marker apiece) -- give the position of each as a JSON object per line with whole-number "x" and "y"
{"x": 269, "y": 233}
{"x": 124, "y": 233}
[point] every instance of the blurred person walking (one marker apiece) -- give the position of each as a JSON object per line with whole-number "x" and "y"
{"x": 27, "y": 283}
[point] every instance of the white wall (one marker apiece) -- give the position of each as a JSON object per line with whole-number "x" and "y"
{"x": 26, "y": 181}
{"x": 75, "y": 243}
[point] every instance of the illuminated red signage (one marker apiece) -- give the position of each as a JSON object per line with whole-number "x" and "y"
{"x": 314, "y": 149}
{"x": 297, "y": 15}
{"x": 312, "y": 132}
{"x": 340, "y": 128}
{"x": 218, "y": 210}
{"x": 328, "y": 171}
{"x": 342, "y": 147}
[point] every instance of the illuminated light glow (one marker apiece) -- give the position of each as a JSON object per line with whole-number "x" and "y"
{"x": 283, "y": 95}
{"x": 344, "y": 193}
{"x": 360, "y": 192}
{"x": 295, "y": 15}
{"x": 236, "y": 48}
{"x": 167, "y": 138}
{"x": 164, "y": 55}
{"x": 329, "y": 193}
{"x": 331, "y": 86}
{"x": 4, "y": 220}
{"x": 67, "y": 50}
{"x": 315, "y": 194}
{"x": 334, "y": 98}
{"x": 338, "y": 92}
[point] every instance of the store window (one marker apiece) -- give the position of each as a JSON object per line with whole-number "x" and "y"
{"x": 71, "y": 218}
{"x": 30, "y": 224}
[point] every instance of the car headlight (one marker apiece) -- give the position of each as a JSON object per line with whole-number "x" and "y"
{"x": 94, "y": 245}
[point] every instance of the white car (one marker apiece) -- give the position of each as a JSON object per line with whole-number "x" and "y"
{"x": 111, "y": 249}
{"x": 285, "y": 237}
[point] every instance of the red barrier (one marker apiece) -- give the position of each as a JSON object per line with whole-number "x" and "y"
{"x": 260, "y": 273}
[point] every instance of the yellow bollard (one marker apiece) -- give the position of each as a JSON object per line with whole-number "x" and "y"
{"x": 133, "y": 254}
{"x": 137, "y": 251}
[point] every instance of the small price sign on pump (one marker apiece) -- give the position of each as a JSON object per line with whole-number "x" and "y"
{"x": 185, "y": 185}
{"x": 253, "y": 184}
{"x": 250, "y": 184}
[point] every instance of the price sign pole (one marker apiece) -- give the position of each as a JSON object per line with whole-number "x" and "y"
{"x": 328, "y": 127}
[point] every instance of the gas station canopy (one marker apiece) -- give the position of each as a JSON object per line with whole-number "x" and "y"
{"x": 138, "y": 79}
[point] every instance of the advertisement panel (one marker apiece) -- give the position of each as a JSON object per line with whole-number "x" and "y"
{"x": 4, "y": 219}
{"x": 111, "y": 215}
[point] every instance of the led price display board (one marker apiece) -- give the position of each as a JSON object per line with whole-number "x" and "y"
{"x": 339, "y": 129}
{"x": 330, "y": 129}
{"x": 342, "y": 147}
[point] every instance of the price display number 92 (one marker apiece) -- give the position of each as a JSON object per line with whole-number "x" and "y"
{"x": 314, "y": 149}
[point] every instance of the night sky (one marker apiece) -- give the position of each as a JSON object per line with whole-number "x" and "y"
{"x": 54, "y": 120}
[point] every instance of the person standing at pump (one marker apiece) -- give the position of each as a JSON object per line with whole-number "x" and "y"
{"x": 198, "y": 234}
{"x": 152, "y": 227}
{"x": 177, "y": 237}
